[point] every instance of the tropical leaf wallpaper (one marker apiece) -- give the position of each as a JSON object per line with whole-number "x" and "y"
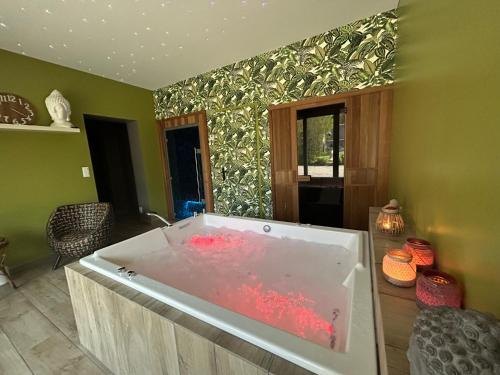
{"x": 236, "y": 97}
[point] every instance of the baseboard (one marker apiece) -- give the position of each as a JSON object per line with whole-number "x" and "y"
{"x": 49, "y": 259}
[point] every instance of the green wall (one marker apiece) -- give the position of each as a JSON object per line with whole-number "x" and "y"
{"x": 40, "y": 171}
{"x": 446, "y": 138}
{"x": 236, "y": 97}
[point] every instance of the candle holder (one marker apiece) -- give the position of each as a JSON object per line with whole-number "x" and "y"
{"x": 422, "y": 252}
{"x": 398, "y": 268}
{"x": 389, "y": 219}
{"x": 435, "y": 288}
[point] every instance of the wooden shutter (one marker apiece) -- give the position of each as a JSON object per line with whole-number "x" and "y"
{"x": 367, "y": 140}
{"x": 283, "y": 136}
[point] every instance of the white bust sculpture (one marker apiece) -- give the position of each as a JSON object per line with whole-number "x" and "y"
{"x": 59, "y": 109}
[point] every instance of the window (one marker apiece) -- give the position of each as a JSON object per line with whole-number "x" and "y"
{"x": 320, "y": 142}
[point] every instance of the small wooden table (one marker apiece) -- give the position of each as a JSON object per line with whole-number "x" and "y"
{"x": 395, "y": 308}
{"x": 3, "y": 255}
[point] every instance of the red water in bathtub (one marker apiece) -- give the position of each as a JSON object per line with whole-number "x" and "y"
{"x": 292, "y": 285}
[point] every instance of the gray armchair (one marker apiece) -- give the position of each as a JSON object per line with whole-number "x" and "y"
{"x": 76, "y": 230}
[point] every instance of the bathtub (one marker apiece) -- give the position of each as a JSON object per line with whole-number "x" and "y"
{"x": 301, "y": 292}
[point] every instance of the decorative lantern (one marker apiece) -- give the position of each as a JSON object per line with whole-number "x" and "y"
{"x": 435, "y": 288}
{"x": 398, "y": 268}
{"x": 421, "y": 250}
{"x": 389, "y": 219}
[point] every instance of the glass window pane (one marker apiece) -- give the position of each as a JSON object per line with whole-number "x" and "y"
{"x": 300, "y": 147}
{"x": 320, "y": 146}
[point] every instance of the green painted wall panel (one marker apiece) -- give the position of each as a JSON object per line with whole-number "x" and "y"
{"x": 446, "y": 137}
{"x": 40, "y": 171}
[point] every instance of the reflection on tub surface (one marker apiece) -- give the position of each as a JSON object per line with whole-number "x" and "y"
{"x": 292, "y": 285}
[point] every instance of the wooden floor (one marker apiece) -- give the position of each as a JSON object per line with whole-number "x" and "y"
{"x": 37, "y": 328}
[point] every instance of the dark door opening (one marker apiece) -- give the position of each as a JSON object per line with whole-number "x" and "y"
{"x": 112, "y": 164}
{"x": 185, "y": 166}
{"x": 320, "y": 159}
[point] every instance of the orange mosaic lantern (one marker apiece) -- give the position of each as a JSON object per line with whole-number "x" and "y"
{"x": 398, "y": 268}
{"x": 422, "y": 252}
{"x": 389, "y": 219}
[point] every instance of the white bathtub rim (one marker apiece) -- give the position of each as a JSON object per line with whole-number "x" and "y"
{"x": 360, "y": 354}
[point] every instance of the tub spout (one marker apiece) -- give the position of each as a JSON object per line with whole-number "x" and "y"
{"x": 160, "y": 218}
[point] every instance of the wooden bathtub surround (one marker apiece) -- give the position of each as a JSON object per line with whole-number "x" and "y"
{"x": 395, "y": 308}
{"x": 131, "y": 333}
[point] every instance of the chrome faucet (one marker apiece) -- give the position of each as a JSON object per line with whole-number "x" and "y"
{"x": 160, "y": 218}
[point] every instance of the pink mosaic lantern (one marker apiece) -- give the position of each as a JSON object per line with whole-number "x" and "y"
{"x": 435, "y": 288}
{"x": 398, "y": 268}
{"x": 422, "y": 252}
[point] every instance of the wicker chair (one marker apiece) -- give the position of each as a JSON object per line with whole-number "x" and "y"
{"x": 76, "y": 230}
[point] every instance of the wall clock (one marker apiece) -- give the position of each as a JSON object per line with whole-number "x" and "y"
{"x": 14, "y": 109}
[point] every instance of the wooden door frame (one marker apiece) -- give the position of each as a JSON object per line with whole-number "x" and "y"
{"x": 312, "y": 102}
{"x": 198, "y": 119}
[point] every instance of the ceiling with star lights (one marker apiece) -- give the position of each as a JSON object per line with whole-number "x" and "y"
{"x": 154, "y": 43}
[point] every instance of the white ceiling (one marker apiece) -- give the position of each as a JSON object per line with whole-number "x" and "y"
{"x": 153, "y": 43}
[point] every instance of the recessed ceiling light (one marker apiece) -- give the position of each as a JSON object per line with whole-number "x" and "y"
{"x": 51, "y": 46}
{"x": 110, "y": 6}
{"x": 3, "y": 25}
{"x": 141, "y": 46}
{"x": 65, "y": 45}
{"x": 181, "y": 47}
{"x": 122, "y": 66}
{"x": 162, "y": 44}
{"x": 152, "y": 57}
{"x": 148, "y": 28}
{"x": 166, "y": 32}
{"x": 22, "y": 9}
{"x": 103, "y": 20}
{"x": 85, "y": 20}
{"x": 19, "y": 44}
{"x": 143, "y": 13}
{"x": 47, "y": 11}
{"x": 108, "y": 57}
{"x": 131, "y": 54}
{"x": 70, "y": 30}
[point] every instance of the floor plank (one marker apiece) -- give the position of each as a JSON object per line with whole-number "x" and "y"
{"x": 54, "y": 304}
{"x": 44, "y": 348}
{"x": 11, "y": 362}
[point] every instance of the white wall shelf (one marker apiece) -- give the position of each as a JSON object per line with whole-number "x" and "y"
{"x": 38, "y": 128}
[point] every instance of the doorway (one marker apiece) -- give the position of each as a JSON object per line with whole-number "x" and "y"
{"x": 186, "y": 165}
{"x": 110, "y": 153}
{"x": 186, "y": 171}
{"x": 320, "y": 162}
{"x": 364, "y": 183}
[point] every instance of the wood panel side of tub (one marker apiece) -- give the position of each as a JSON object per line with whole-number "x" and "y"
{"x": 130, "y": 333}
